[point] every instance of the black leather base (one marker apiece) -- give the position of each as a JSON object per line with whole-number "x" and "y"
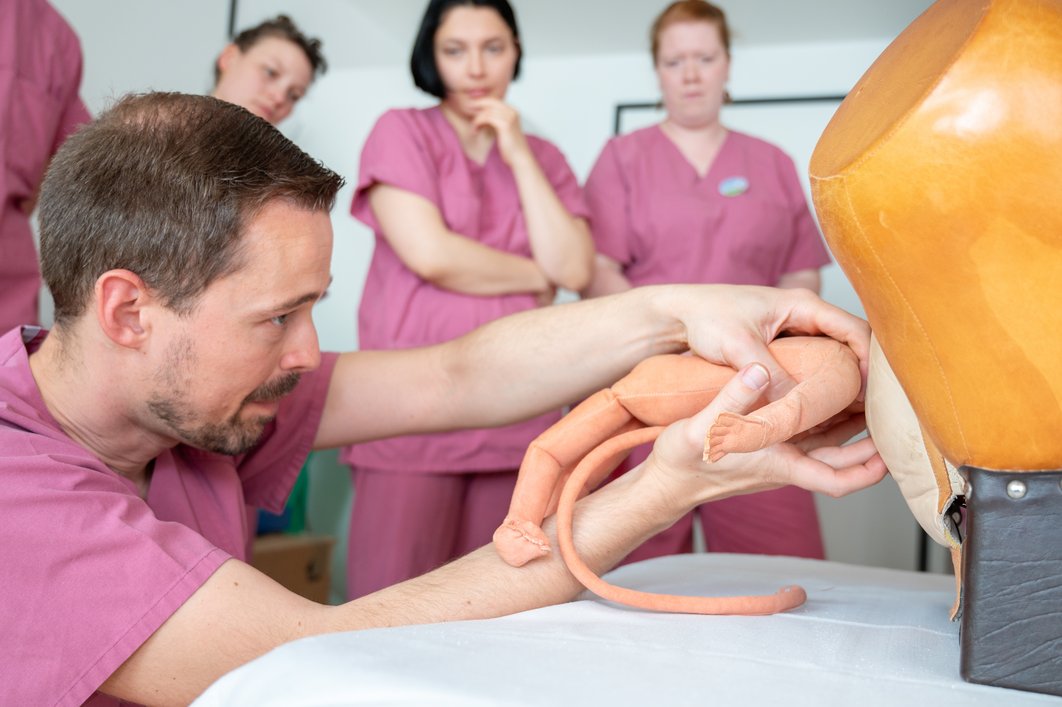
{"x": 1011, "y": 628}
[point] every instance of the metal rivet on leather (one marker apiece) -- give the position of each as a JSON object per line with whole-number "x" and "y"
{"x": 1017, "y": 489}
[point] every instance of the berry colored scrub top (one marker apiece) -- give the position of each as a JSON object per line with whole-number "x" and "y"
{"x": 419, "y": 152}
{"x": 90, "y": 569}
{"x": 40, "y": 72}
{"x": 745, "y": 222}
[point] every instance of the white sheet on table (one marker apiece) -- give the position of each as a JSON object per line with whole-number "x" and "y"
{"x": 866, "y": 637}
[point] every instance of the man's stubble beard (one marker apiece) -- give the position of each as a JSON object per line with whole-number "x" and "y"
{"x": 232, "y": 437}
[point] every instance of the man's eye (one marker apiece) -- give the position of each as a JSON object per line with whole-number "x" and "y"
{"x": 280, "y": 319}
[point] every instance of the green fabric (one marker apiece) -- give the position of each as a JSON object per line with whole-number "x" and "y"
{"x": 297, "y": 501}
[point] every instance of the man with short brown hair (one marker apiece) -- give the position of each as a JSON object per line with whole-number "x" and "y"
{"x": 187, "y": 241}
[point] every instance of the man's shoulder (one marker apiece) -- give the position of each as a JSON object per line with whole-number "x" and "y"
{"x": 14, "y": 341}
{"x": 22, "y": 411}
{"x": 27, "y": 428}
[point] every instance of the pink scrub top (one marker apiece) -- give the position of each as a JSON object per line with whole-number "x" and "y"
{"x": 419, "y": 152}
{"x": 91, "y": 570}
{"x": 40, "y": 72}
{"x": 745, "y": 222}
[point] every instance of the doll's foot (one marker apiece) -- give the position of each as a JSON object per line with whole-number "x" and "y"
{"x": 734, "y": 433}
{"x": 520, "y": 541}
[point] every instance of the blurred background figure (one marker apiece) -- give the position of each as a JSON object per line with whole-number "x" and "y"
{"x": 268, "y": 68}
{"x": 688, "y": 200}
{"x": 474, "y": 220}
{"x": 40, "y": 73}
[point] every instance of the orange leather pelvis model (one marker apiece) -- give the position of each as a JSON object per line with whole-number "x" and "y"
{"x": 938, "y": 185}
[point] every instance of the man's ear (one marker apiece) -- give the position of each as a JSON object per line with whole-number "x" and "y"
{"x": 121, "y": 297}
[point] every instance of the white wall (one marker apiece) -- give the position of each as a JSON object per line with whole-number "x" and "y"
{"x": 133, "y": 45}
{"x": 569, "y": 100}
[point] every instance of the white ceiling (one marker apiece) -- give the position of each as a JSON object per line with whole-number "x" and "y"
{"x": 380, "y": 32}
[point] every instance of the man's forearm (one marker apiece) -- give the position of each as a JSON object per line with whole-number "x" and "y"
{"x": 608, "y": 525}
{"x": 543, "y": 359}
{"x": 525, "y": 364}
{"x": 246, "y": 614}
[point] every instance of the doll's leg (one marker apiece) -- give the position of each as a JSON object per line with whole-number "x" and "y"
{"x": 549, "y": 459}
{"x": 829, "y": 381}
{"x": 486, "y": 497}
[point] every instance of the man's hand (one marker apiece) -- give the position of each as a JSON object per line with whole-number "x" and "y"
{"x": 816, "y": 462}
{"x": 736, "y": 329}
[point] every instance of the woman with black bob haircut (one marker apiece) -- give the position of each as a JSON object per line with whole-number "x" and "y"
{"x": 474, "y": 220}
{"x": 422, "y": 61}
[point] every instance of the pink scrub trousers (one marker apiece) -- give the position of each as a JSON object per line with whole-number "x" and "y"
{"x": 778, "y": 522}
{"x": 432, "y": 518}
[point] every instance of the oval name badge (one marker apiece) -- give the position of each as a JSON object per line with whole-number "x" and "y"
{"x": 733, "y": 186}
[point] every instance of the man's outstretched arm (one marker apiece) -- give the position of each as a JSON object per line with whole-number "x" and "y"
{"x": 239, "y": 614}
{"x": 540, "y": 360}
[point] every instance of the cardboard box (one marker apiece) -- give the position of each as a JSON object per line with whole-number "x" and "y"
{"x": 302, "y": 562}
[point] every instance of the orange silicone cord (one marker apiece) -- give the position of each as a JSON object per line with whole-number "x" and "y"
{"x": 786, "y": 598}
